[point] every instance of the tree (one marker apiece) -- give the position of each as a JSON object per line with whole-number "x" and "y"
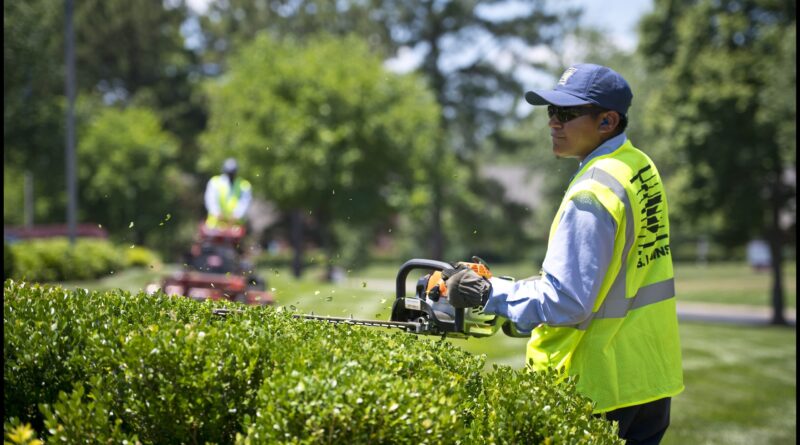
{"x": 478, "y": 93}
{"x": 470, "y": 54}
{"x": 228, "y": 24}
{"x": 318, "y": 137}
{"x": 460, "y": 42}
{"x": 726, "y": 104}
{"x": 125, "y": 54}
{"x": 33, "y": 106}
{"x": 128, "y": 177}
{"x": 148, "y": 63}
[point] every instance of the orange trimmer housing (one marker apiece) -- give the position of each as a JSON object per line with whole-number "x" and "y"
{"x": 437, "y": 287}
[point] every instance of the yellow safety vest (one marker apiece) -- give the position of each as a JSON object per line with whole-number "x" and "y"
{"x": 228, "y": 197}
{"x": 628, "y": 351}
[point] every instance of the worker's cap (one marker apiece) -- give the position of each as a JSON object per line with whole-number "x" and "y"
{"x": 230, "y": 166}
{"x": 585, "y": 84}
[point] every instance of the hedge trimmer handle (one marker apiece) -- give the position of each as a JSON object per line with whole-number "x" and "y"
{"x": 416, "y": 263}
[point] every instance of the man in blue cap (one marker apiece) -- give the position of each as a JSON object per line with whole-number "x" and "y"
{"x": 603, "y": 307}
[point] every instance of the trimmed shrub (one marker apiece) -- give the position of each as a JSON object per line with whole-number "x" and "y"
{"x": 157, "y": 369}
{"x": 51, "y": 259}
{"x": 138, "y": 256}
{"x": 8, "y": 261}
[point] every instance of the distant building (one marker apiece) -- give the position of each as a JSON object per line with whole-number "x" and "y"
{"x": 521, "y": 185}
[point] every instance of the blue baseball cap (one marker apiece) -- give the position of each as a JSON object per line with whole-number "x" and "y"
{"x": 583, "y": 84}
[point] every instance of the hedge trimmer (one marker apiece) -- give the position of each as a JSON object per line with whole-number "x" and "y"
{"x": 428, "y": 311}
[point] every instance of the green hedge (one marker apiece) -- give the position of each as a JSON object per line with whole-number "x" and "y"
{"x": 8, "y": 261}
{"x": 138, "y": 256}
{"x": 108, "y": 367}
{"x": 51, "y": 259}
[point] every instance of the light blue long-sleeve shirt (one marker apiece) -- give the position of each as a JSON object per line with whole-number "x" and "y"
{"x": 576, "y": 261}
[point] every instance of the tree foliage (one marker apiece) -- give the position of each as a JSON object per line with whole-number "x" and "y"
{"x": 344, "y": 145}
{"x": 128, "y": 174}
{"x": 229, "y": 24}
{"x": 137, "y": 54}
{"x": 124, "y": 54}
{"x": 727, "y": 104}
{"x": 33, "y": 108}
{"x": 460, "y": 41}
{"x": 469, "y": 52}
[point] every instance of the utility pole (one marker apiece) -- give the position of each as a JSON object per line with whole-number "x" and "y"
{"x": 72, "y": 198}
{"x": 28, "y": 199}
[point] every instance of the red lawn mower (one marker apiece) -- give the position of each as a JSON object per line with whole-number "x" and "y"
{"x": 214, "y": 268}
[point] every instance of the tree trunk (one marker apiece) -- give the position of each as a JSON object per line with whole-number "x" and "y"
{"x": 296, "y": 239}
{"x": 437, "y": 237}
{"x": 326, "y": 238}
{"x": 776, "y": 250}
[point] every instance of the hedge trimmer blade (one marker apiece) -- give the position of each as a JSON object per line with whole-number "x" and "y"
{"x": 409, "y": 326}
{"x": 417, "y": 327}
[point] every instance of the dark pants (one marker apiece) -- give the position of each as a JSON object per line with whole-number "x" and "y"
{"x": 642, "y": 424}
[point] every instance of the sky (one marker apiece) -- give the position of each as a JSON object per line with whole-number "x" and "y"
{"x": 619, "y": 17}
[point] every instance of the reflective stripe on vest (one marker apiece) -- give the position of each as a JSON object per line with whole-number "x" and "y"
{"x": 616, "y": 303}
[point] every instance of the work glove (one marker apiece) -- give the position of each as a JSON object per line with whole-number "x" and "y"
{"x": 465, "y": 288}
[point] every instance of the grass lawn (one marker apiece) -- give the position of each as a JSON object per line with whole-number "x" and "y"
{"x": 732, "y": 283}
{"x": 133, "y": 280}
{"x": 741, "y": 386}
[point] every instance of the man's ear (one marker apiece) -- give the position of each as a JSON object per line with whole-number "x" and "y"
{"x": 609, "y": 122}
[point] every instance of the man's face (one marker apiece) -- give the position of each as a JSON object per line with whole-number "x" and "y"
{"x": 578, "y": 136}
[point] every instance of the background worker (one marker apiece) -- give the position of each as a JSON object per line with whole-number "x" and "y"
{"x": 227, "y": 197}
{"x": 603, "y": 308}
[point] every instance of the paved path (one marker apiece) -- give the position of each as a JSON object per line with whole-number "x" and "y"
{"x": 687, "y": 311}
{"x": 730, "y": 313}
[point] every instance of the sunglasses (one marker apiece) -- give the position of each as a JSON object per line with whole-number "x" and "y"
{"x": 566, "y": 114}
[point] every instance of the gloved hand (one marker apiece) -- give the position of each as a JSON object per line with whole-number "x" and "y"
{"x": 465, "y": 288}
